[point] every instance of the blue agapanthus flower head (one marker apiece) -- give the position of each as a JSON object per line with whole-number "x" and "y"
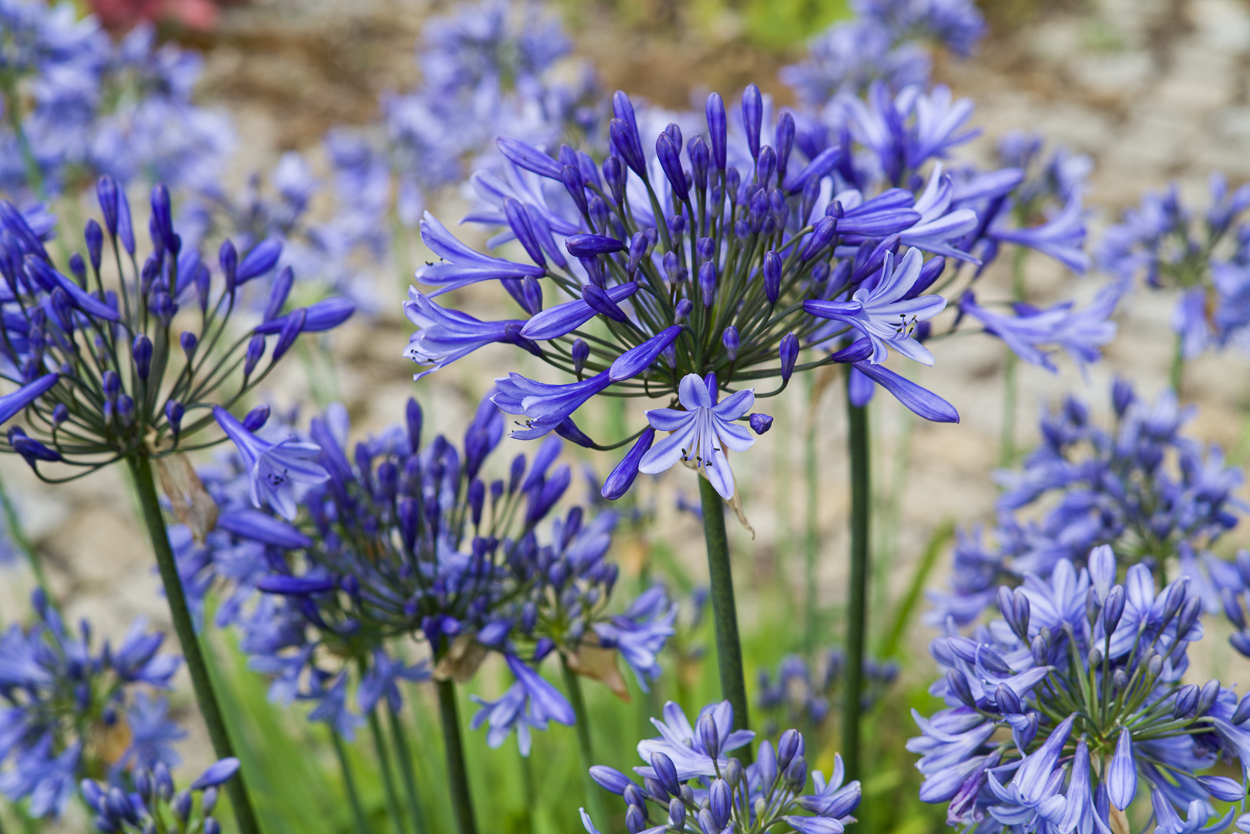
{"x": 692, "y": 781}
{"x": 111, "y": 359}
{"x": 1158, "y": 497}
{"x": 399, "y": 536}
{"x": 1203, "y": 255}
{"x": 1072, "y": 706}
{"x": 803, "y": 694}
{"x": 716, "y": 258}
{"x": 71, "y": 710}
{"x": 151, "y": 798}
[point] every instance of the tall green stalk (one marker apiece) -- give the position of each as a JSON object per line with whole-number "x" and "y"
{"x": 388, "y": 776}
{"x": 349, "y": 783}
{"x": 811, "y": 542}
{"x": 724, "y": 610}
{"x": 573, "y": 684}
{"x": 1177, "y": 374}
{"x": 13, "y": 525}
{"x": 457, "y": 773}
{"x": 857, "y": 607}
{"x": 1007, "y": 439}
{"x": 403, "y": 752}
{"x": 145, "y": 486}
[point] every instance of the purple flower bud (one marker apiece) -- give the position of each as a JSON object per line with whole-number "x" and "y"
{"x": 112, "y": 384}
{"x": 677, "y": 814}
{"x": 60, "y": 413}
{"x": 957, "y": 685}
{"x": 610, "y": 779}
{"x": 189, "y": 342}
{"x": 1223, "y": 788}
{"x": 784, "y": 142}
{"x": 623, "y": 109}
{"x": 789, "y": 352}
{"x": 289, "y": 333}
{"x": 669, "y": 155}
{"x": 1243, "y": 710}
{"x": 700, "y": 160}
{"x": 532, "y": 294}
{"x": 1122, "y": 774}
{"x": 174, "y": 411}
{"x": 580, "y": 353}
{"x": 730, "y": 340}
{"x": 278, "y": 293}
{"x": 162, "y": 216}
{"x": 760, "y": 423}
{"x": 720, "y": 801}
{"x": 682, "y": 310}
{"x": 772, "y": 276}
{"x": 1007, "y": 699}
{"x": 1186, "y": 700}
{"x": 1206, "y": 697}
{"x": 717, "y": 127}
{"x": 821, "y": 236}
{"x": 707, "y": 283}
{"x": 752, "y": 114}
{"x": 673, "y": 268}
{"x": 1113, "y": 609}
{"x": 79, "y": 268}
{"x": 141, "y": 350}
{"x": 182, "y": 805}
{"x": 575, "y": 184}
{"x": 666, "y": 774}
{"x": 260, "y": 259}
{"x": 708, "y": 735}
{"x": 765, "y": 167}
{"x": 228, "y": 257}
{"x": 255, "y": 350}
{"x": 256, "y": 418}
{"x": 676, "y": 227}
{"x": 106, "y": 192}
{"x": 758, "y": 210}
{"x": 622, "y": 476}
{"x": 587, "y": 246}
{"x": 94, "y": 238}
{"x": 1122, "y": 396}
{"x": 624, "y": 142}
{"x": 125, "y": 410}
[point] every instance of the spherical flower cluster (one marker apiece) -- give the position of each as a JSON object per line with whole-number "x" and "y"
{"x": 69, "y": 711}
{"x": 803, "y": 693}
{"x": 78, "y": 106}
{"x": 1207, "y": 261}
{"x": 883, "y": 42}
{"x": 707, "y": 264}
{"x": 1071, "y": 706}
{"x": 155, "y": 805}
{"x": 108, "y": 366}
{"x": 405, "y": 539}
{"x": 1157, "y": 497}
{"x": 697, "y": 786}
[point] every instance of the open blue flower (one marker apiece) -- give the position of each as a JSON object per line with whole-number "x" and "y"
{"x": 273, "y": 467}
{"x": 701, "y": 433}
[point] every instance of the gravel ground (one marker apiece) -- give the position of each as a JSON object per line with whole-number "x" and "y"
{"x": 1153, "y": 90}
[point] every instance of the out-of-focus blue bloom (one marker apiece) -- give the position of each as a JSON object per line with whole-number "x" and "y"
{"x": 1081, "y": 333}
{"x": 1157, "y": 497}
{"x": 69, "y": 711}
{"x": 883, "y": 42}
{"x": 694, "y": 783}
{"x": 531, "y": 702}
{"x": 803, "y": 695}
{"x": 1079, "y": 667}
{"x": 1206, "y": 260}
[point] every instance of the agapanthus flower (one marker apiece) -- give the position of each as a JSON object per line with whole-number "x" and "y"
{"x": 70, "y": 711}
{"x": 410, "y": 539}
{"x": 719, "y": 256}
{"x": 884, "y": 41}
{"x": 1207, "y": 261}
{"x": 696, "y": 785}
{"x": 803, "y": 694}
{"x": 111, "y": 369}
{"x": 1156, "y": 496}
{"x": 151, "y": 801}
{"x": 1072, "y": 706}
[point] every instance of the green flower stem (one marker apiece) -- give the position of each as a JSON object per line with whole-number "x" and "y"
{"x": 724, "y": 610}
{"x": 388, "y": 777}
{"x": 572, "y": 683}
{"x": 13, "y": 524}
{"x": 857, "y": 608}
{"x": 141, "y": 473}
{"x": 811, "y": 539}
{"x": 457, "y": 775}
{"x": 1007, "y": 440}
{"x": 1177, "y": 374}
{"x": 403, "y": 752}
{"x": 349, "y": 782}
